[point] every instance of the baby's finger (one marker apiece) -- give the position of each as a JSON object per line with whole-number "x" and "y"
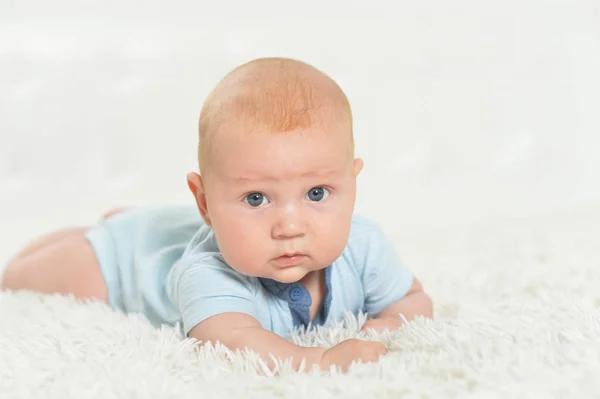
{"x": 369, "y": 325}
{"x": 382, "y": 350}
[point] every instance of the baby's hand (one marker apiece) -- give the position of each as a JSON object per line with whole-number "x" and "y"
{"x": 113, "y": 212}
{"x": 351, "y": 350}
{"x": 390, "y": 323}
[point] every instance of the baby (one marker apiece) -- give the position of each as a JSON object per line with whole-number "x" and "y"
{"x": 272, "y": 243}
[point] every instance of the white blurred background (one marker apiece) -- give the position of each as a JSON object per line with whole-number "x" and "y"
{"x": 465, "y": 112}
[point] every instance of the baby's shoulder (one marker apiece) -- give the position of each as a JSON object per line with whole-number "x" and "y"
{"x": 363, "y": 230}
{"x": 365, "y": 240}
{"x": 203, "y": 262}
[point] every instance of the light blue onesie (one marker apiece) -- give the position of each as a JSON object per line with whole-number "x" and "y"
{"x": 165, "y": 263}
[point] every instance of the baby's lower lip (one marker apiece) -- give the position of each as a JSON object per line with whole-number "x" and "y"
{"x": 287, "y": 260}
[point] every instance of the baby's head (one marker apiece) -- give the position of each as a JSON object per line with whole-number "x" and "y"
{"x": 277, "y": 179}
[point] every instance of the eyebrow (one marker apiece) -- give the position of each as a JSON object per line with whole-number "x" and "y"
{"x": 321, "y": 174}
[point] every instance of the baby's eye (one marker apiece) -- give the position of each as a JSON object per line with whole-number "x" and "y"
{"x": 317, "y": 194}
{"x": 256, "y": 199}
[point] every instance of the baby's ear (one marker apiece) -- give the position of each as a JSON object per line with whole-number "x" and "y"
{"x": 196, "y": 186}
{"x": 358, "y": 165}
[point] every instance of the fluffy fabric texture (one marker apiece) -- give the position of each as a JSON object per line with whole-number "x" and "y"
{"x": 517, "y": 315}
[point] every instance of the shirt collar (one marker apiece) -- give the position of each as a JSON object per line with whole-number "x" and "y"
{"x": 294, "y": 293}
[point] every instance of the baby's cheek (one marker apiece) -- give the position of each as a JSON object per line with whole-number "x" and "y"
{"x": 242, "y": 249}
{"x": 331, "y": 240}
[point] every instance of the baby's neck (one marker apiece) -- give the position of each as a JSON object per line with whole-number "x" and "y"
{"x": 313, "y": 279}
{"x": 315, "y": 285}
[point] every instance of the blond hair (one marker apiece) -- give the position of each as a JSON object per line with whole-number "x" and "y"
{"x": 270, "y": 94}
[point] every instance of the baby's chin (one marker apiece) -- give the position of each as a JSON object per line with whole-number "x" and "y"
{"x": 292, "y": 274}
{"x": 286, "y": 275}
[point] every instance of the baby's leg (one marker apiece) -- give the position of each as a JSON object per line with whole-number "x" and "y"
{"x": 45, "y": 241}
{"x": 63, "y": 262}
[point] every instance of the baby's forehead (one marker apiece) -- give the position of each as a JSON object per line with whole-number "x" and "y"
{"x": 295, "y": 154}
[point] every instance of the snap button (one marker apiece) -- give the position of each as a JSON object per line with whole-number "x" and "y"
{"x": 296, "y": 294}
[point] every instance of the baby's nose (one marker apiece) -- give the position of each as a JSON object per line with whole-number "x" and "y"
{"x": 289, "y": 224}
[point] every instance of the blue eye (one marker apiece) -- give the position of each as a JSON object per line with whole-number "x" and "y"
{"x": 317, "y": 194}
{"x": 256, "y": 199}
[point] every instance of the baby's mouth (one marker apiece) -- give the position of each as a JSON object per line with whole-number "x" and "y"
{"x": 290, "y": 259}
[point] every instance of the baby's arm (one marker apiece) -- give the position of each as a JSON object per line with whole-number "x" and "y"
{"x": 217, "y": 304}
{"x": 241, "y": 331}
{"x": 416, "y": 303}
{"x": 391, "y": 291}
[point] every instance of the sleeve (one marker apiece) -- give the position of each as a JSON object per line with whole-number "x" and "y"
{"x": 385, "y": 279}
{"x": 202, "y": 287}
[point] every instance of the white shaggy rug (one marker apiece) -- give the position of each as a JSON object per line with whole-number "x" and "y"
{"x": 517, "y": 316}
